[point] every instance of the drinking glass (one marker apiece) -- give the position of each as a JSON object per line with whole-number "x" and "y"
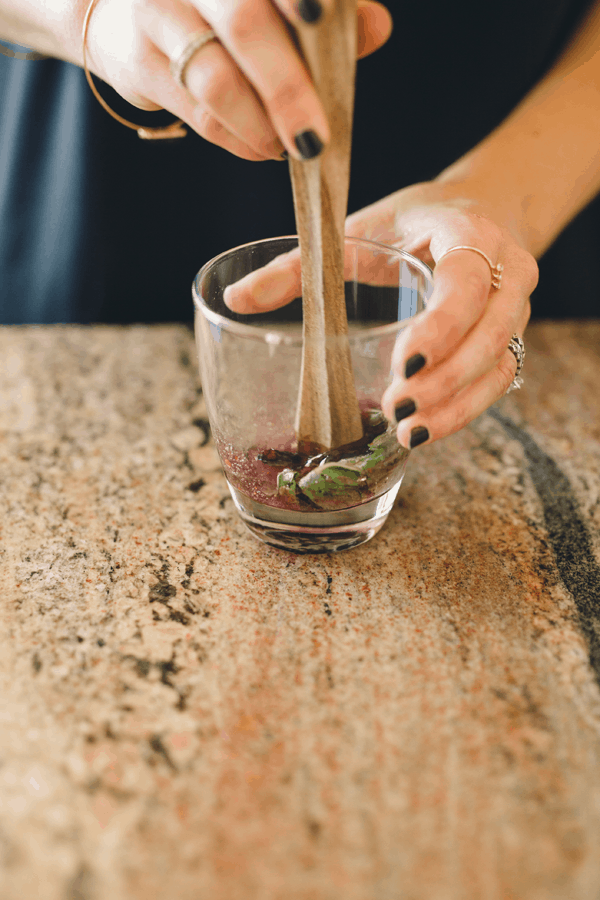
{"x": 250, "y": 371}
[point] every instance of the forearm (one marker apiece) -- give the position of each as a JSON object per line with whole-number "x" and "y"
{"x": 52, "y": 27}
{"x": 539, "y": 168}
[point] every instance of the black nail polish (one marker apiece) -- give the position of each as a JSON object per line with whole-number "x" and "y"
{"x": 414, "y": 364}
{"x": 309, "y": 10}
{"x": 285, "y": 155}
{"x": 308, "y": 144}
{"x": 405, "y": 409}
{"x": 418, "y": 436}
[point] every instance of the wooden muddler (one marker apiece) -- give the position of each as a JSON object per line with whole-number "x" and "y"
{"x": 328, "y": 412}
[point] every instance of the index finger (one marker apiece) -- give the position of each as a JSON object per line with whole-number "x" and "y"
{"x": 259, "y": 41}
{"x": 462, "y": 284}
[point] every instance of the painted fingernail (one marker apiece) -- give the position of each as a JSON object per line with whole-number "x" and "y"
{"x": 405, "y": 409}
{"x": 418, "y": 436}
{"x": 309, "y": 10}
{"x": 285, "y": 155}
{"x": 414, "y": 364}
{"x": 308, "y": 144}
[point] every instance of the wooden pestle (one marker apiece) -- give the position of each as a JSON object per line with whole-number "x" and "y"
{"x": 328, "y": 412}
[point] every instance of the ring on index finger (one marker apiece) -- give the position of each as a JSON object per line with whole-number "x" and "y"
{"x": 496, "y": 270}
{"x": 184, "y": 54}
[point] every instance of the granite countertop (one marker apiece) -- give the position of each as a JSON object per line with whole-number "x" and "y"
{"x": 188, "y": 714}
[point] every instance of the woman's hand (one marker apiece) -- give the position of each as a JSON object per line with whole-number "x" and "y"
{"x": 452, "y": 361}
{"x": 248, "y": 91}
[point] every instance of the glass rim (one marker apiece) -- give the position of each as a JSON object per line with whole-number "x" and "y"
{"x": 272, "y": 335}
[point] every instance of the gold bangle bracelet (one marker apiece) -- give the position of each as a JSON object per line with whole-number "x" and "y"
{"x": 168, "y": 132}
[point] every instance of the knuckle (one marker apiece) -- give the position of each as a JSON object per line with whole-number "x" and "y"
{"x": 524, "y": 268}
{"x": 208, "y": 127}
{"x": 213, "y": 130}
{"x": 494, "y": 231}
{"x": 201, "y": 119}
{"x": 215, "y": 87}
{"x": 462, "y": 415}
{"x": 504, "y": 373}
{"x": 481, "y": 230}
{"x": 286, "y": 93}
{"x": 530, "y": 271}
{"x": 498, "y": 337}
{"x": 477, "y": 284}
{"x": 138, "y": 56}
{"x": 243, "y": 27}
{"x": 142, "y": 102}
{"x": 142, "y": 9}
{"x": 450, "y": 383}
{"x": 445, "y": 327}
{"x": 399, "y": 353}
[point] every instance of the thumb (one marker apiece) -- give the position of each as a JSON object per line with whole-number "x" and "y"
{"x": 374, "y": 27}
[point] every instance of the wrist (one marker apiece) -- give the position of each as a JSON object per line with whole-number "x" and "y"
{"x": 53, "y": 28}
{"x": 65, "y": 20}
{"x": 541, "y": 166}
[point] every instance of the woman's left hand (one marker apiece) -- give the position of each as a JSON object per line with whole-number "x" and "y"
{"x": 452, "y": 361}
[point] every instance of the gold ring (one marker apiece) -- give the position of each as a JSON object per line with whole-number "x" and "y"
{"x": 185, "y": 53}
{"x": 496, "y": 270}
{"x": 174, "y": 130}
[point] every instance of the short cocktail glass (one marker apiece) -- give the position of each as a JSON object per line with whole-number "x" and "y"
{"x": 304, "y": 499}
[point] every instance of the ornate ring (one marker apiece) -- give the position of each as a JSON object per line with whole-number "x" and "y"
{"x": 517, "y": 348}
{"x": 184, "y": 54}
{"x": 496, "y": 270}
{"x": 174, "y": 130}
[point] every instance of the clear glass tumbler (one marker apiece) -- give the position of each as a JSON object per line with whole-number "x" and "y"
{"x": 304, "y": 499}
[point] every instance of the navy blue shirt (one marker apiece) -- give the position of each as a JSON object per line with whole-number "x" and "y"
{"x": 99, "y": 226}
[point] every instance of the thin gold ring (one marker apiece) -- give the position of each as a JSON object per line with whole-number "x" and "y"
{"x": 184, "y": 54}
{"x": 174, "y": 130}
{"x": 496, "y": 270}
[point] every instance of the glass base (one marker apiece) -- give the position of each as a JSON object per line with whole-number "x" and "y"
{"x": 318, "y": 532}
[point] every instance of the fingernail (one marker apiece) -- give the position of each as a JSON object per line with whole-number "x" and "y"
{"x": 418, "y": 436}
{"x": 285, "y": 155}
{"x": 309, "y": 10}
{"x": 414, "y": 364}
{"x": 405, "y": 409}
{"x": 308, "y": 144}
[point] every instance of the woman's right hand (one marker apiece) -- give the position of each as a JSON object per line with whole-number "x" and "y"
{"x": 248, "y": 91}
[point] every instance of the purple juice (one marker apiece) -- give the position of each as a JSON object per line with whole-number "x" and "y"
{"x": 307, "y": 478}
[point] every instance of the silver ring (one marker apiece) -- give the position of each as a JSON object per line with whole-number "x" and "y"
{"x": 517, "y": 348}
{"x": 185, "y": 52}
{"x": 496, "y": 270}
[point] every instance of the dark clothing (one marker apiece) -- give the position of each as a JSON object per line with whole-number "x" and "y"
{"x": 97, "y": 225}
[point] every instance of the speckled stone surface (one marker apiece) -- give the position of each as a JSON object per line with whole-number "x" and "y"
{"x": 188, "y": 714}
